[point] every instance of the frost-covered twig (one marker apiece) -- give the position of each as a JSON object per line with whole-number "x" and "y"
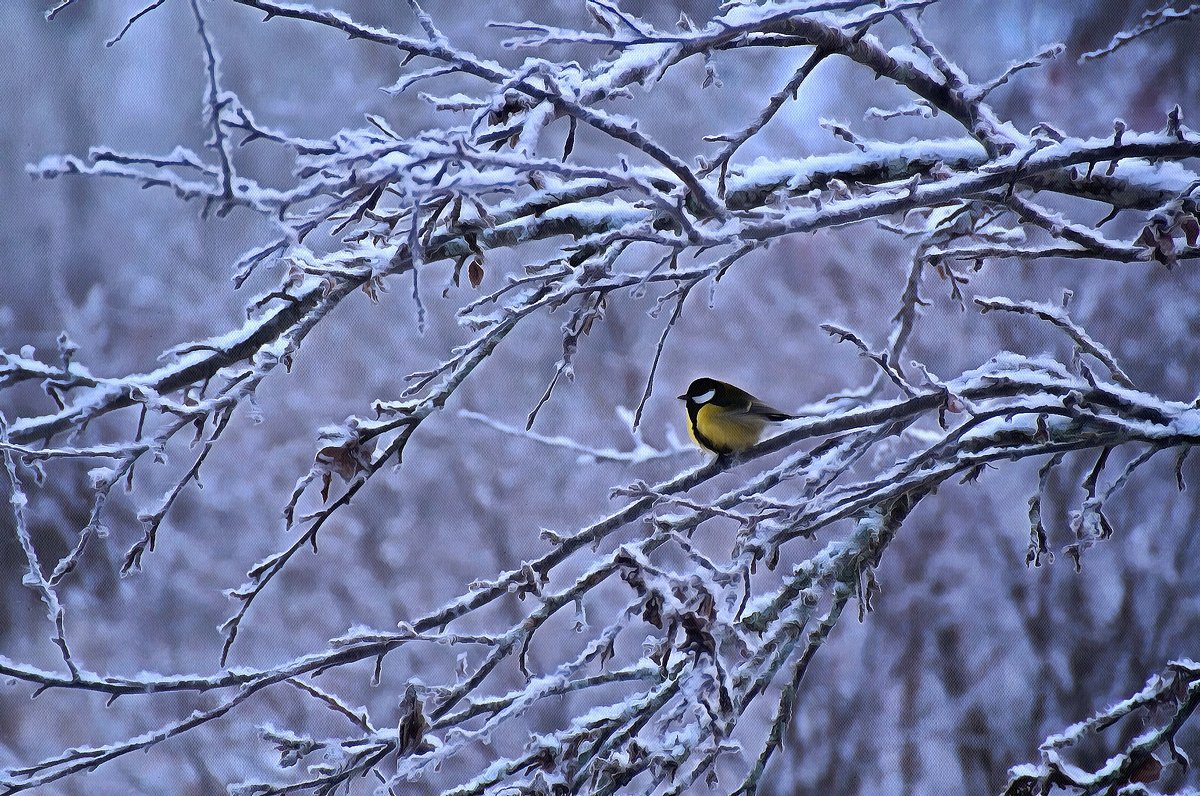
{"x": 128, "y": 24}
{"x": 1058, "y": 317}
{"x": 1005, "y": 380}
{"x": 697, "y": 641}
{"x": 641, "y": 453}
{"x": 1152, "y": 20}
{"x": 791, "y": 88}
{"x": 1168, "y": 701}
{"x": 217, "y": 101}
{"x": 1045, "y": 56}
{"x": 35, "y": 577}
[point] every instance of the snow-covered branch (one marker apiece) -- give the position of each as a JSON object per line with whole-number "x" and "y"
{"x": 702, "y": 598}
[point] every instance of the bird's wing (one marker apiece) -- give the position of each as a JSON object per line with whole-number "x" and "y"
{"x": 769, "y": 412}
{"x": 752, "y": 407}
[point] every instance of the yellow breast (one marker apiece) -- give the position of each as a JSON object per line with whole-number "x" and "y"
{"x": 724, "y": 432}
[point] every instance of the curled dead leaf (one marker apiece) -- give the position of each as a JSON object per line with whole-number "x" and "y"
{"x": 475, "y": 271}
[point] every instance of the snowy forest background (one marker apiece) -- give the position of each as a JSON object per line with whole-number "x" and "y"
{"x": 992, "y": 492}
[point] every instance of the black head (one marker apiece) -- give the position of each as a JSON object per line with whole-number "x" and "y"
{"x": 703, "y": 391}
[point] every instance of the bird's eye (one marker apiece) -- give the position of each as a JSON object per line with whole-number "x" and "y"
{"x": 704, "y": 397}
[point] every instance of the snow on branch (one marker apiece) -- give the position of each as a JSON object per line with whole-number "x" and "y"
{"x": 642, "y": 450}
{"x": 688, "y": 658}
{"x": 1152, "y": 20}
{"x": 1012, "y": 416}
{"x": 1058, "y": 317}
{"x": 1165, "y": 704}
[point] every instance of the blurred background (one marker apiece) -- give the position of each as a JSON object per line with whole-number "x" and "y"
{"x": 971, "y": 657}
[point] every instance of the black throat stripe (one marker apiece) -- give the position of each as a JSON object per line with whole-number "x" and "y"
{"x": 694, "y": 413}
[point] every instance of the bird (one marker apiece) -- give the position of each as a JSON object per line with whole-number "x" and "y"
{"x": 725, "y": 419}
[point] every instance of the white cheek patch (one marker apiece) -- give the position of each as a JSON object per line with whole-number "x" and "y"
{"x": 704, "y": 397}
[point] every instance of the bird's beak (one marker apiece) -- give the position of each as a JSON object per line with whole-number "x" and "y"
{"x": 682, "y": 397}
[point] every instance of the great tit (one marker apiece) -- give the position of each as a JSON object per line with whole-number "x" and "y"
{"x": 725, "y": 419}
